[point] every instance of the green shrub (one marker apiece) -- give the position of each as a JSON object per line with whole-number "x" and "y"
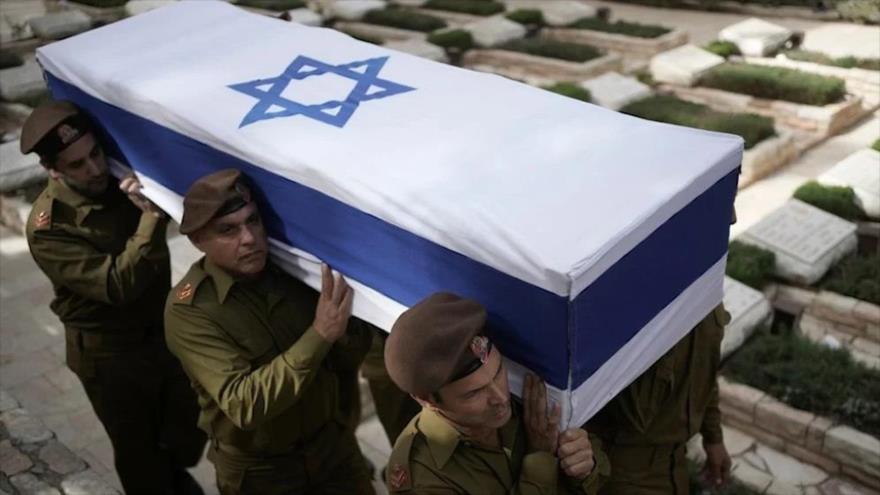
{"x": 851, "y": 10}
{"x": 876, "y": 145}
{"x": 620, "y": 27}
{"x": 775, "y": 83}
{"x": 571, "y": 90}
{"x": 837, "y": 200}
{"x": 456, "y": 39}
{"x": 664, "y": 108}
{"x": 9, "y": 59}
{"x": 722, "y": 48}
{"x": 750, "y": 264}
{"x": 473, "y": 7}
{"x": 527, "y": 17}
{"x": 857, "y": 276}
{"x": 859, "y": 10}
{"x": 404, "y": 19}
{"x": 367, "y": 39}
{"x": 103, "y": 4}
{"x": 810, "y": 377}
{"x": 845, "y": 62}
{"x": 275, "y": 5}
{"x": 553, "y": 49}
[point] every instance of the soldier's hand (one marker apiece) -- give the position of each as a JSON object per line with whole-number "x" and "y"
{"x": 131, "y": 186}
{"x": 334, "y": 306}
{"x": 716, "y": 472}
{"x": 542, "y": 425}
{"x": 576, "y": 453}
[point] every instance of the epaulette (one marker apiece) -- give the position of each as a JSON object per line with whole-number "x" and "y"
{"x": 399, "y": 474}
{"x": 185, "y": 290}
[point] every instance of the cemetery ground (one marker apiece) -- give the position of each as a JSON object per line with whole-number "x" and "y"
{"x": 800, "y": 386}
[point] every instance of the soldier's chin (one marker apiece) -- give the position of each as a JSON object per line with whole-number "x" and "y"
{"x": 500, "y": 418}
{"x": 253, "y": 264}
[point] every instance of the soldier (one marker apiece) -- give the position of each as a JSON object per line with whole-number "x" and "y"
{"x": 262, "y": 350}
{"x": 103, "y": 247}
{"x": 645, "y": 428}
{"x": 470, "y": 437}
{"x": 394, "y": 407}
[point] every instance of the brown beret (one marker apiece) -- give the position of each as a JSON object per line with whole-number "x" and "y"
{"x": 433, "y": 342}
{"x": 52, "y": 127}
{"x": 214, "y": 195}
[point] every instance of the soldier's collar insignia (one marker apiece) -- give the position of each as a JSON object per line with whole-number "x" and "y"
{"x": 42, "y": 219}
{"x": 398, "y": 477}
{"x": 185, "y": 291}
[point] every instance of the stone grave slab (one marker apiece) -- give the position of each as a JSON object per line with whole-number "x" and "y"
{"x": 557, "y": 12}
{"x": 748, "y": 309}
{"x": 613, "y": 90}
{"x": 419, "y": 48}
{"x": 861, "y": 171}
{"x": 354, "y": 10}
{"x": 135, "y": 7}
{"x": 494, "y": 31}
{"x": 756, "y": 37}
{"x": 683, "y": 65}
{"x": 59, "y": 25}
{"x": 18, "y": 83}
{"x": 17, "y": 170}
{"x": 807, "y": 241}
{"x": 306, "y": 17}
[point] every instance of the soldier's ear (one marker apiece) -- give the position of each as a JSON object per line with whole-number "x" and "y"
{"x": 430, "y": 402}
{"x": 197, "y": 238}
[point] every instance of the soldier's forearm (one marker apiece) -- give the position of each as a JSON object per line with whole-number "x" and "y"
{"x": 145, "y": 254}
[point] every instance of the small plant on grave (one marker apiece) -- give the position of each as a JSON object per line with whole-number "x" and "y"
{"x": 821, "y": 58}
{"x": 775, "y": 83}
{"x": 666, "y": 108}
{"x": 561, "y": 50}
{"x": 811, "y": 377}
{"x": 530, "y": 18}
{"x": 571, "y": 90}
{"x": 750, "y": 264}
{"x": 9, "y": 60}
{"x": 474, "y": 7}
{"x": 837, "y": 200}
{"x": 620, "y": 27}
{"x": 455, "y": 40}
{"x": 404, "y": 19}
{"x": 273, "y": 5}
{"x": 724, "y": 49}
{"x": 856, "y": 276}
{"x": 102, "y": 4}
{"x": 876, "y": 145}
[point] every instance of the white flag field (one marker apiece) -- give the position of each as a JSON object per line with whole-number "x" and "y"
{"x": 594, "y": 239}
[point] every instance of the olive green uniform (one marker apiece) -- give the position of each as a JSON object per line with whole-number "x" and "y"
{"x": 109, "y": 265}
{"x": 267, "y": 382}
{"x": 432, "y": 457}
{"x": 645, "y": 428}
{"x": 394, "y": 407}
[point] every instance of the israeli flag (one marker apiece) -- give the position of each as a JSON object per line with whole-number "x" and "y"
{"x": 594, "y": 239}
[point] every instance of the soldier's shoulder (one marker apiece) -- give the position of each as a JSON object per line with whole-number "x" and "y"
{"x": 42, "y": 215}
{"x": 186, "y": 291}
{"x": 406, "y": 449}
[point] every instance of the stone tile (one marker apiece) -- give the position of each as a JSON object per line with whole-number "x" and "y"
{"x": 87, "y": 483}
{"x": 12, "y": 461}
{"x": 613, "y": 90}
{"x": 850, "y": 446}
{"x": 778, "y": 487}
{"x": 495, "y": 30}
{"x": 788, "y": 469}
{"x": 419, "y": 48}
{"x": 306, "y": 17}
{"x": 7, "y": 401}
{"x": 805, "y": 239}
{"x": 64, "y": 379}
{"x": 839, "y": 487}
{"x": 750, "y": 476}
{"x": 557, "y": 12}
{"x": 26, "y": 367}
{"x": 102, "y": 451}
{"x": 777, "y": 417}
{"x": 683, "y": 65}
{"x": 60, "y": 459}
{"x": 823, "y": 462}
{"x": 17, "y": 170}
{"x": 816, "y": 433}
{"x": 28, "y": 484}
{"x": 18, "y": 83}
{"x": 861, "y": 171}
{"x": 739, "y": 396}
{"x": 756, "y": 461}
{"x": 24, "y": 427}
{"x": 859, "y": 476}
{"x": 135, "y": 7}
{"x": 60, "y": 25}
{"x": 756, "y": 37}
{"x": 736, "y": 441}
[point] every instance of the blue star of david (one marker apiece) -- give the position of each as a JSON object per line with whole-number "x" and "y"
{"x": 333, "y": 112}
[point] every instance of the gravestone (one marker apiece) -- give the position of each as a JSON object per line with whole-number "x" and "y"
{"x": 748, "y": 308}
{"x": 683, "y": 65}
{"x": 494, "y": 31}
{"x": 756, "y": 37}
{"x": 807, "y": 241}
{"x": 135, "y": 7}
{"x": 24, "y": 81}
{"x": 354, "y": 10}
{"x": 419, "y": 48}
{"x": 58, "y": 25}
{"x": 613, "y": 90}
{"x": 556, "y": 13}
{"x": 17, "y": 170}
{"x": 860, "y": 171}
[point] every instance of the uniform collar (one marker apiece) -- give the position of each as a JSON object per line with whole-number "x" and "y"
{"x": 443, "y": 438}
{"x": 223, "y": 282}
{"x": 79, "y": 202}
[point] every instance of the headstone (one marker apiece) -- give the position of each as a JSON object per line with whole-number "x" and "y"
{"x": 494, "y": 31}
{"x": 807, "y": 241}
{"x": 135, "y": 7}
{"x": 756, "y": 37}
{"x": 59, "y": 25}
{"x": 613, "y": 90}
{"x": 306, "y": 17}
{"x": 419, "y": 48}
{"x": 17, "y": 170}
{"x": 557, "y": 12}
{"x": 354, "y": 10}
{"x": 861, "y": 171}
{"x": 683, "y": 65}
{"x": 748, "y": 309}
{"x": 24, "y": 81}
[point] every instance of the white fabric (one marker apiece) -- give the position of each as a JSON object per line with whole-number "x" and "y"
{"x": 607, "y": 179}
